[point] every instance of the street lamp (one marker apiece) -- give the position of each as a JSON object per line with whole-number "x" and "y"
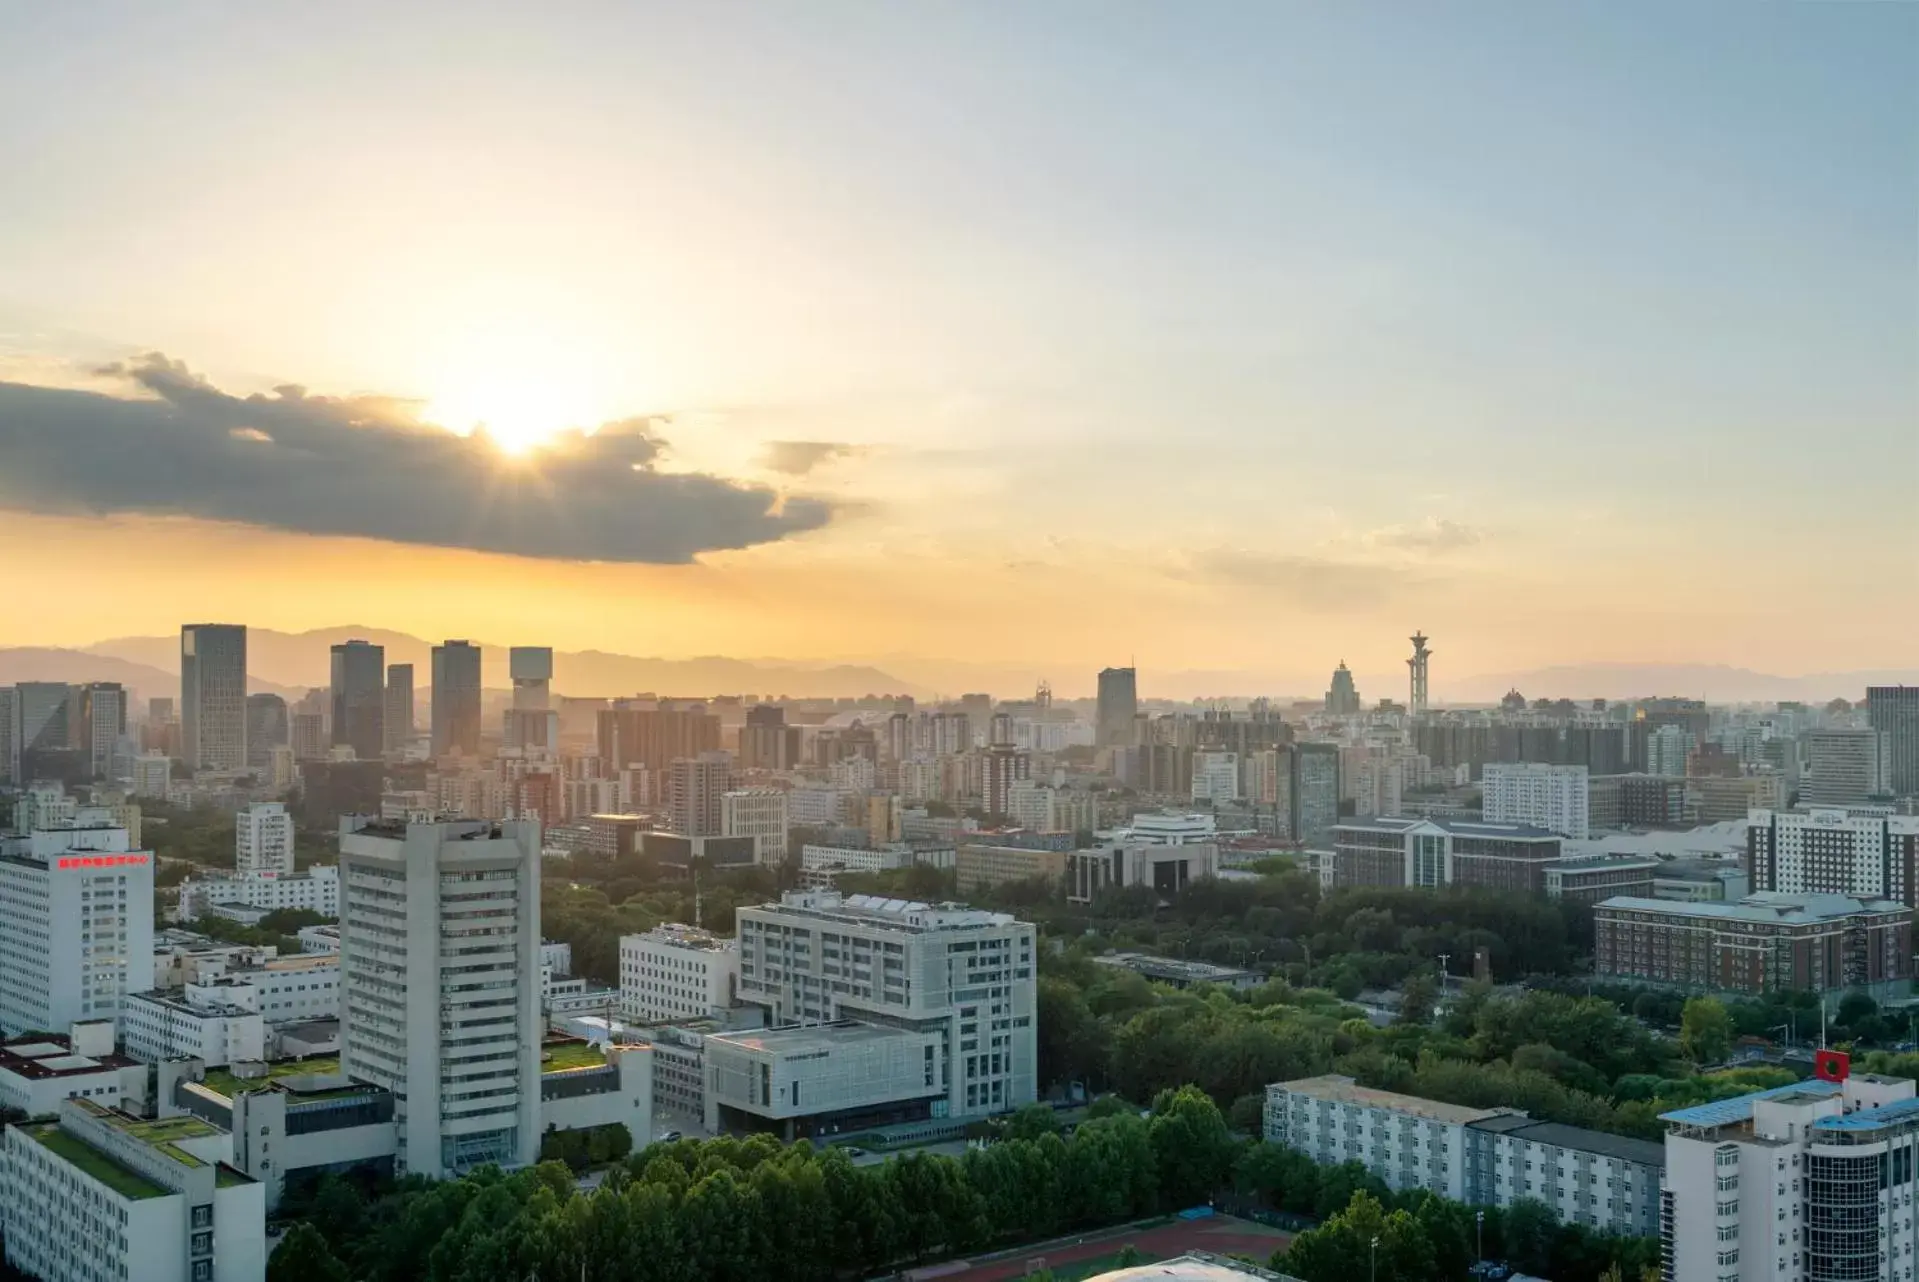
{"x": 1479, "y": 1223}
{"x": 1375, "y": 1259}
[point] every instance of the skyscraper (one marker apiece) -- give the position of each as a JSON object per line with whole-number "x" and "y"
{"x": 440, "y": 971}
{"x": 103, "y": 724}
{"x": 1342, "y": 699}
{"x": 359, "y": 699}
{"x": 399, "y": 705}
{"x": 531, "y": 667}
{"x": 1894, "y": 712}
{"x": 1844, "y": 767}
{"x": 766, "y": 741}
{"x": 46, "y": 715}
{"x": 655, "y": 737}
{"x": 1001, "y": 766}
{"x": 267, "y": 729}
{"x": 9, "y": 735}
{"x": 1315, "y": 791}
{"x": 1118, "y": 706}
{"x": 456, "y": 698}
{"x": 695, "y": 789}
{"x": 213, "y": 696}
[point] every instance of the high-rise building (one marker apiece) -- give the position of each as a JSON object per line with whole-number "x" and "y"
{"x": 759, "y": 813}
{"x": 1864, "y": 853}
{"x": 267, "y": 728}
{"x": 440, "y": 965}
{"x": 655, "y": 737}
{"x": 1314, "y": 792}
{"x": 695, "y": 788}
{"x": 76, "y": 926}
{"x": 766, "y": 741}
{"x": 1416, "y": 667}
{"x": 1555, "y": 798}
{"x": 1342, "y": 698}
{"x": 1216, "y": 777}
{"x": 1667, "y": 750}
{"x": 103, "y": 725}
{"x": 531, "y": 667}
{"x": 456, "y": 699}
{"x": 399, "y": 706}
{"x": 1844, "y": 767}
{"x": 46, "y": 715}
{"x": 1118, "y": 706}
{"x": 152, "y": 773}
{"x": 1002, "y": 766}
{"x": 213, "y": 696}
{"x": 308, "y": 736}
{"x": 1893, "y": 711}
{"x": 359, "y": 699}
{"x": 9, "y": 735}
{"x": 263, "y": 841}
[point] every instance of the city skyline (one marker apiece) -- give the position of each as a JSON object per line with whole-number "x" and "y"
{"x": 1502, "y": 322}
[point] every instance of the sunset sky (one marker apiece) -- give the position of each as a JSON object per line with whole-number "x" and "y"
{"x": 1234, "y": 336}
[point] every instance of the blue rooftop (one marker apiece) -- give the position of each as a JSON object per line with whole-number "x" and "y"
{"x": 1869, "y": 1119}
{"x": 1726, "y": 1112}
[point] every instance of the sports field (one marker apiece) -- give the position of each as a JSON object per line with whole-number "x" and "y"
{"x": 1075, "y": 1258}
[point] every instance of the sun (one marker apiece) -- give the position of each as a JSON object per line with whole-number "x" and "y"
{"x": 520, "y": 389}
{"x": 516, "y": 418}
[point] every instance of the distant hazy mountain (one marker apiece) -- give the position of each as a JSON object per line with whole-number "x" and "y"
{"x": 302, "y": 659}
{"x": 46, "y": 663}
{"x": 1713, "y": 682}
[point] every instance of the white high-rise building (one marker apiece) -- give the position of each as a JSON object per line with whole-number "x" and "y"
{"x": 213, "y": 696}
{"x": 1845, "y": 767}
{"x": 676, "y": 972}
{"x": 263, "y": 841}
{"x": 1863, "y": 852}
{"x": 1555, "y": 798}
{"x": 440, "y": 963}
{"x": 152, "y": 775}
{"x": 759, "y": 813}
{"x": 1216, "y": 776}
{"x": 963, "y": 976}
{"x": 1667, "y": 748}
{"x": 76, "y": 927}
{"x": 1811, "y": 1182}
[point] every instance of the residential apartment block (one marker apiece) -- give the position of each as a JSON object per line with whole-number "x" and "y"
{"x": 1537, "y": 795}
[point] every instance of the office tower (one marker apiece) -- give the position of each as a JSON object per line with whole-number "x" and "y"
{"x": 76, "y": 926}
{"x": 45, "y": 710}
{"x": 456, "y": 699}
{"x": 9, "y": 735}
{"x": 1416, "y": 668}
{"x": 399, "y": 706}
{"x": 1118, "y": 705}
{"x": 267, "y": 728}
{"x": 307, "y": 736}
{"x": 1315, "y": 791}
{"x": 759, "y": 813}
{"x": 531, "y": 667}
{"x": 767, "y": 742}
{"x": 152, "y": 772}
{"x": 1844, "y": 767}
{"x": 213, "y": 696}
{"x": 1216, "y": 777}
{"x": 1342, "y": 699}
{"x": 655, "y": 737}
{"x": 440, "y": 966}
{"x": 947, "y": 980}
{"x": 103, "y": 724}
{"x": 1555, "y": 798}
{"x": 1002, "y": 766}
{"x": 695, "y": 787}
{"x": 1831, "y": 850}
{"x": 1667, "y": 750}
{"x": 1894, "y": 712}
{"x": 263, "y": 841}
{"x": 359, "y": 699}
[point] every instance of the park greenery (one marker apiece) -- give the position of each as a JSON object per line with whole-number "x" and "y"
{"x": 735, "y": 1210}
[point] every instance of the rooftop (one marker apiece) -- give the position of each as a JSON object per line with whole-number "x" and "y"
{"x": 162, "y": 1135}
{"x": 123, "y": 1180}
{"x": 1731, "y": 1112}
{"x": 570, "y": 1053}
{"x": 1175, "y": 967}
{"x": 1577, "y": 1138}
{"x": 40, "y": 1058}
{"x": 1455, "y": 827}
{"x": 1763, "y": 906}
{"x": 275, "y": 1073}
{"x": 1344, "y": 1090}
{"x": 809, "y": 1037}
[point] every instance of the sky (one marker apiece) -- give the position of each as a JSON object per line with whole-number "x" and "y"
{"x": 1235, "y": 337}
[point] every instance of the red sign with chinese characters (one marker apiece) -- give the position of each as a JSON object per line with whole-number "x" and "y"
{"x": 100, "y": 861}
{"x": 1831, "y": 1066}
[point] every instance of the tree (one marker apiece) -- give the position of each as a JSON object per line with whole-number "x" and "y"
{"x": 1194, "y": 1147}
{"x": 1363, "y": 1241}
{"x": 1705, "y": 1031}
{"x": 1128, "y": 1257}
{"x": 1417, "y": 999}
{"x": 304, "y": 1256}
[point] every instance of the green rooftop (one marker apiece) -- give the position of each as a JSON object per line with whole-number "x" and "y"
{"x": 558, "y": 1057}
{"x": 226, "y": 1177}
{"x": 122, "y": 1180}
{"x": 223, "y": 1081}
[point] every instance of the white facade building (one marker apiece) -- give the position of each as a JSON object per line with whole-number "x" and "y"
{"x": 37, "y": 1073}
{"x": 1811, "y": 1182}
{"x": 1407, "y": 1141}
{"x": 440, "y": 958}
{"x": 99, "y": 1196}
{"x": 818, "y": 807}
{"x": 76, "y": 927}
{"x": 217, "y": 1022}
{"x": 1667, "y": 748}
{"x": 677, "y": 972}
{"x": 1216, "y": 777}
{"x": 317, "y": 890}
{"x": 963, "y": 974}
{"x": 1864, "y": 852}
{"x": 1047, "y": 809}
{"x": 1170, "y": 828}
{"x": 263, "y": 840}
{"x": 1555, "y": 798}
{"x": 759, "y": 813}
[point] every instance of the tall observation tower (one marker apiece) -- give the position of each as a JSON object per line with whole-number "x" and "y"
{"x": 1417, "y": 664}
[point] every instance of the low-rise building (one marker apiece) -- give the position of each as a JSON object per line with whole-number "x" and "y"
{"x": 1167, "y": 869}
{"x": 821, "y": 1078}
{"x": 97, "y": 1194}
{"x": 1399, "y": 851}
{"x": 1587, "y": 881}
{"x": 981, "y": 866}
{"x": 1181, "y": 973}
{"x": 1635, "y": 801}
{"x": 36, "y": 1073}
{"x": 317, "y": 890}
{"x": 676, "y": 972}
{"x": 1603, "y": 1181}
{"x": 1767, "y": 942}
{"x": 217, "y": 1022}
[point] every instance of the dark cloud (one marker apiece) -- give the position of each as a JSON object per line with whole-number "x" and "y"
{"x": 367, "y": 466}
{"x": 1435, "y": 535}
{"x": 797, "y": 458}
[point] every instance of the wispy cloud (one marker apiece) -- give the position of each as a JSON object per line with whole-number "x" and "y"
{"x": 367, "y": 466}
{"x": 1309, "y": 582}
{"x": 797, "y": 458}
{"x": 1435, "y": 534}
